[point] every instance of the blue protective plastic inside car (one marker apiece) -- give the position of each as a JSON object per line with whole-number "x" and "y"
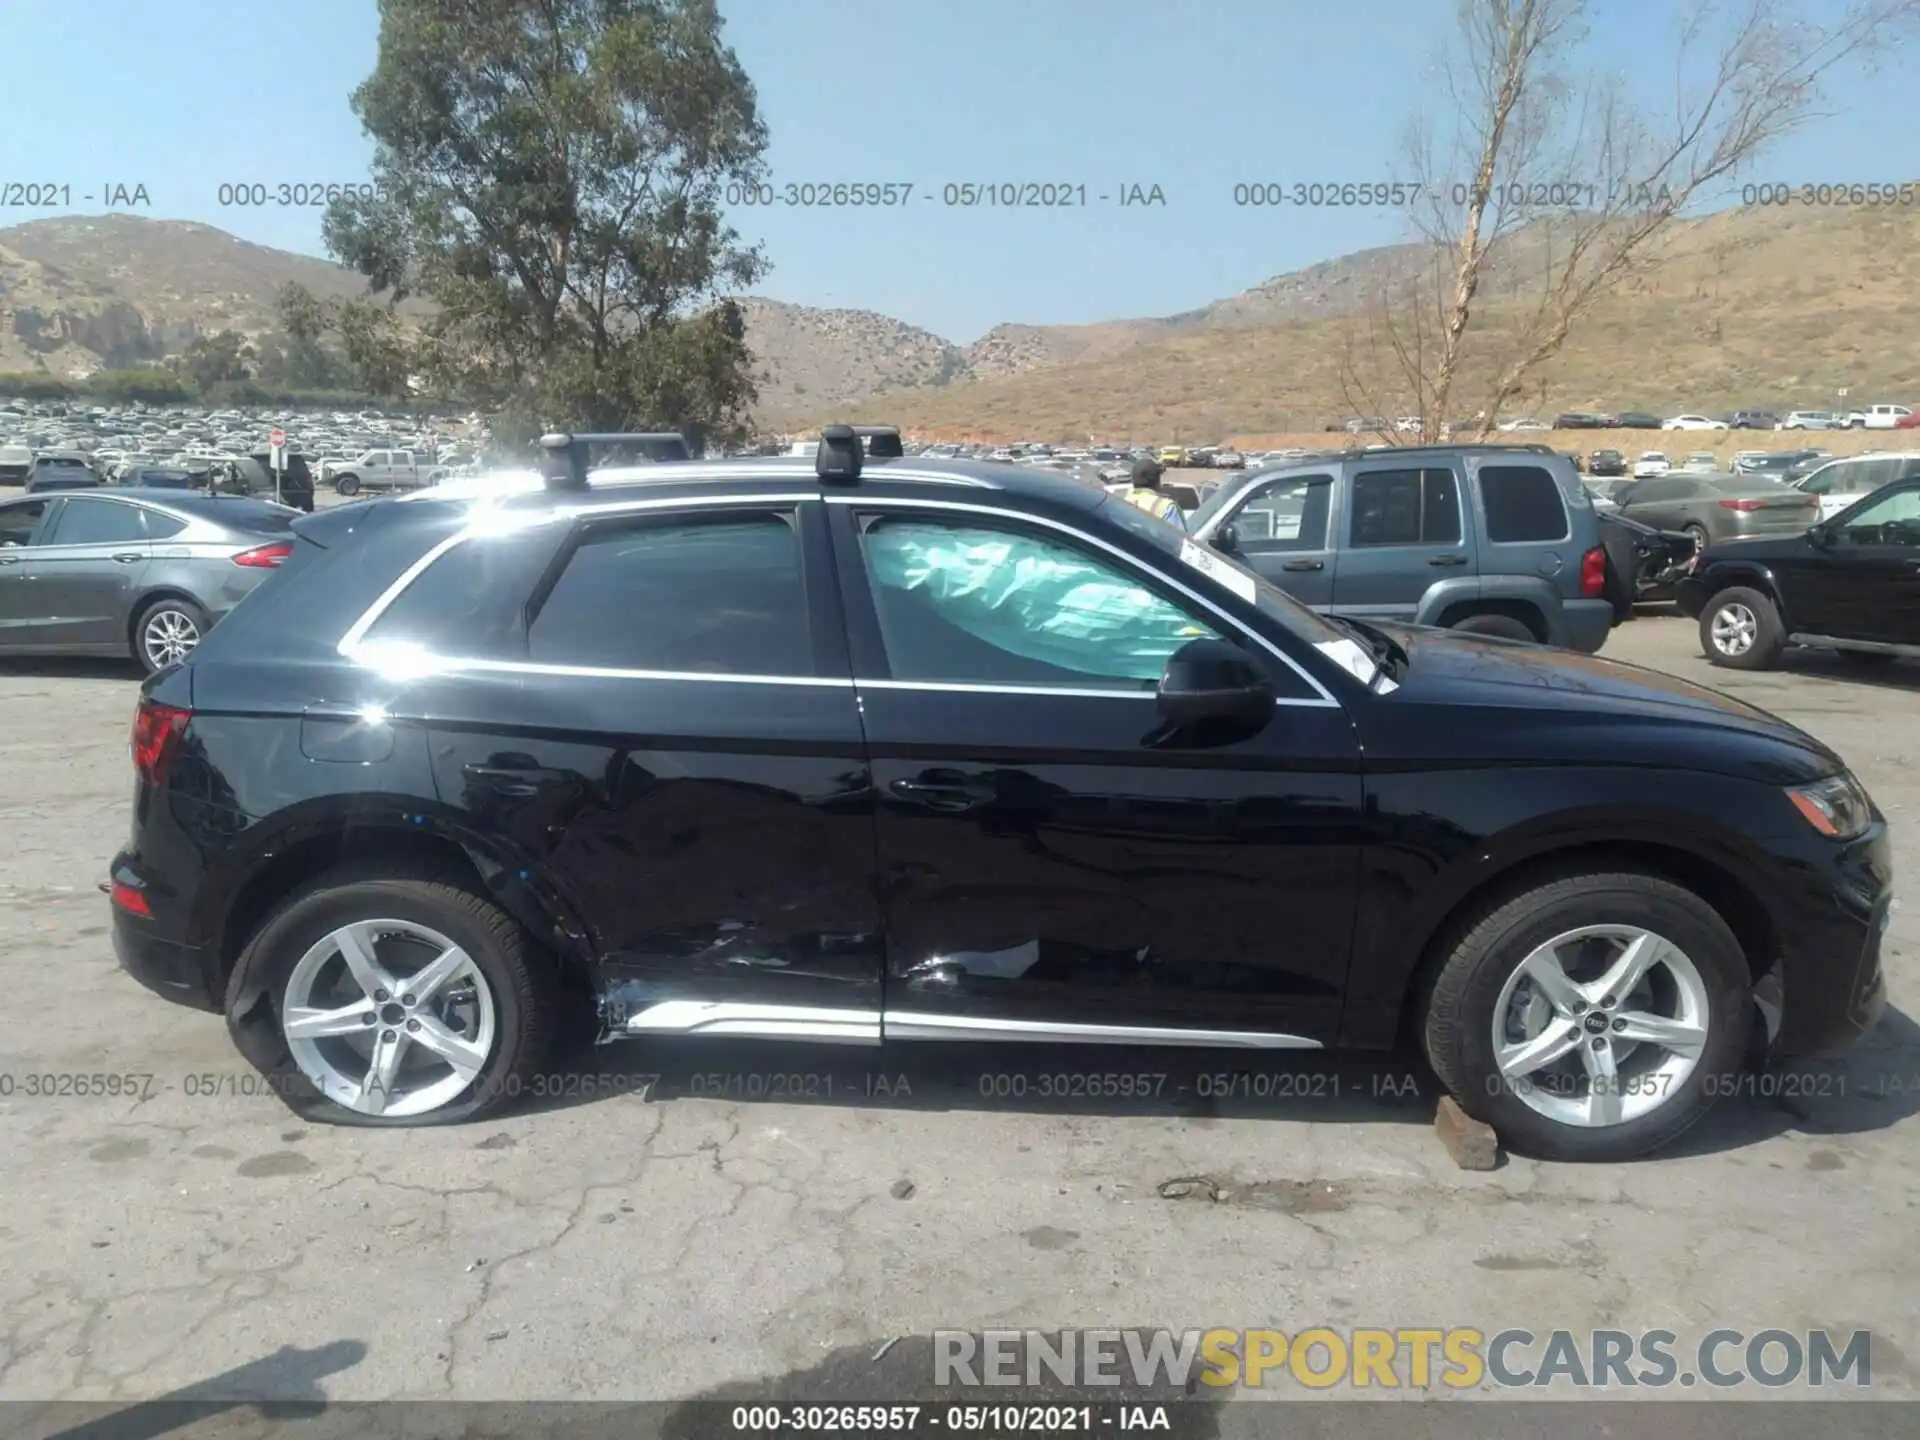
{"x": 1040, "y": 601}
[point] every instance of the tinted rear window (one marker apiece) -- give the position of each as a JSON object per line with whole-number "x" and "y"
{"x": 1522, "y": 503}
{"x": 712, "y": 596}
{"x": 472, "y": 601}
{"x": 236, "y": 511}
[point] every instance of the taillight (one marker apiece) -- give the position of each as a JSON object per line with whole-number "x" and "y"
{"x": 129, "y": 899}
{"x": 1593, "y": 573}
{"x": 1746, "y": 507}
{"x": 156, "y": 739}
{"x": 264, "y": 557}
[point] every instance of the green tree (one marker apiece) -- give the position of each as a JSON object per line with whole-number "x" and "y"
{"x": 550, "y": 174}
{"x": 223, "y": 358}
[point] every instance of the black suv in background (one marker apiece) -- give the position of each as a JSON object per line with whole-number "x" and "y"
{"x": 897, "y": 751}
{"x": 253, "y": 475}
{"x": 1851, "y": 584}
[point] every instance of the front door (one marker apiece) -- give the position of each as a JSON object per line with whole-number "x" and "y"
{"x": 83, "y": 574}
{"x": 1864, "y": 583}
{"x": 1403, "y": 533}
{"x": 1050, "y": 873}
{"x": 1281, "y": 529}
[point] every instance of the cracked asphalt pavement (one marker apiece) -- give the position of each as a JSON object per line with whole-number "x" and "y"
{"x": 692, "y": 1220}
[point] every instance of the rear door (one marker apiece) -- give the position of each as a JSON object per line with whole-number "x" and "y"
{"x": 20, "y": 522}
{"x": 661, "y": 717}
{"x": 1402, "y": 531}
{"x": 1283, "y": 529}
{"x": 84, "y": 572}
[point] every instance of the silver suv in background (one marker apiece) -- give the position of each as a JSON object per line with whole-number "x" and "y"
{"x": 1492, "y": 539}
{"x": 1840, "y": 482}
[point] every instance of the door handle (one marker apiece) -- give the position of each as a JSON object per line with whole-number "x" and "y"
{"x": 124, "y": 559}
{"x": 1446, "y": 560}
{"x": 951, "y": 796}
{"x": 1304, "y": 565}
{"x": 516, "y": 779}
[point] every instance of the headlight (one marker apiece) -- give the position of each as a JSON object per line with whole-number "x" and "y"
{"x": 1837, "y": 806}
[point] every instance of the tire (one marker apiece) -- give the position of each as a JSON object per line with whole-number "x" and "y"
{"x": 346, "y": 485}
{"x": 1749, "y": 633}
{"x": 1503, "y": 627}
{"x": 501, "y": 1004}
{"x": 1700, "y": 975}
{"x": 1700, "y": 537}
{"x": 167, "y": 631}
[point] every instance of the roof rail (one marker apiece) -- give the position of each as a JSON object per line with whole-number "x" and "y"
{"x": 883, "y": 441}
{"x": 839, "y": 454}
{"x": 564, "y": 454}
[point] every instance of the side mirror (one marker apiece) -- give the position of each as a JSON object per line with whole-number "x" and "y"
{"x": 1209, "y": 679}
{"x": 1819, "y": 534}
{"x": 1226, "y": 540}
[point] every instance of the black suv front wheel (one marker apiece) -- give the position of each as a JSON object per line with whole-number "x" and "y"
{"x": 1740, "y": 629}
{"x": 1593, "y": 1017}
{"x": 391, "y": 998}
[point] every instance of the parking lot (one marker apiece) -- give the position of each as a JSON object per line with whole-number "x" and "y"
{"x": 688, "y": 1221}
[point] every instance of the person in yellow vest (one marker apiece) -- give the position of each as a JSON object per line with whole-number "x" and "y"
{"x": 1147, "y": 495}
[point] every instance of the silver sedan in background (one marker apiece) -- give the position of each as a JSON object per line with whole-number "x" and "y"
{"x": 135, "y": 572}
{"x": 1717, "y": 507}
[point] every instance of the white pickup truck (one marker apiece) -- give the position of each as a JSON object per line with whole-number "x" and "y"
{"x": 381, "y": 470}
{"x": 1877, "y": 417}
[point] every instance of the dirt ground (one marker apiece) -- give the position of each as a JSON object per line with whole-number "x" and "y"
{"x": 630, "y": 1240}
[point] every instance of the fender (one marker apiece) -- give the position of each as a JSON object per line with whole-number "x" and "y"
{"x": 519, "y": 883}
{"x": 1535, "y": 590}
{"x": 1389, "y": 952}
{"x": 1754, "y": 574}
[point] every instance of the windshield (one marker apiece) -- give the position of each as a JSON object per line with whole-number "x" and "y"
{"x": 1272, "y": 601}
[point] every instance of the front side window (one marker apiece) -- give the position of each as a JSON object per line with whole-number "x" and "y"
{"x": 1284, "y": 515}
{"x": 972, "y": 604}
{"x": 1890, "y": 520}
{"x": 97, "y": 522}
{"x": 1406, "y": 507}
{"x": 718, "y": 595}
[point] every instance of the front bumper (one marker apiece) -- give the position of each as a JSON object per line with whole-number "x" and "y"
{"x": 1835, "y": 986}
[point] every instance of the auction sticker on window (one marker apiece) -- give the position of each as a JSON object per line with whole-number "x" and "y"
{"x": 1216, "y": 569}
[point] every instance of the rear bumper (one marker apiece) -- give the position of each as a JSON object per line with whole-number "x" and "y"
{"x": 1585, "y": 624}
{"x": 181, "y": 972}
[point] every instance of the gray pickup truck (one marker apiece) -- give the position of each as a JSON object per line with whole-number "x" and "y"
{"x": 381, "y": 470}
{"x": 1493, "y": 539}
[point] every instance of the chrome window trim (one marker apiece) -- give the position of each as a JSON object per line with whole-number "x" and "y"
{"x": 925, "y": 1025}
{"x": 960, "y": 687}
{"x": 1326, "y": 700}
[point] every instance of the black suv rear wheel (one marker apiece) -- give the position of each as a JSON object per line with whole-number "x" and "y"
{"x": 391, "y": 999}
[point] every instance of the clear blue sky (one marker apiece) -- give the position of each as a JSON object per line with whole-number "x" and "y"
{"x": 1191, "y": 95}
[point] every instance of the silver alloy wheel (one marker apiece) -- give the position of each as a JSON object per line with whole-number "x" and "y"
{"x": 168, "y": 637}
{"x": 1735, "y": 627}
{"x": 1601, "y": 1025}
{"x": 388, "y": 1017}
